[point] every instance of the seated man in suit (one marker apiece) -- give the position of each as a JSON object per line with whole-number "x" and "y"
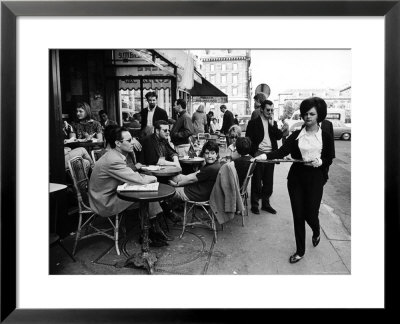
{"x": 111, "y": 171}
{"x": 156, "y": 148}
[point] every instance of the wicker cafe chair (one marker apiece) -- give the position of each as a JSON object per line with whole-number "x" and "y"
{"x": 196, "y": 220}
{"x": 243, "y": 190}
{"x": 96, "y": 154}
{"x": 81, "y": 182}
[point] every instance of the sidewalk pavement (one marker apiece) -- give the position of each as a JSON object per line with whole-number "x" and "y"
{"x": 261, "y": 247}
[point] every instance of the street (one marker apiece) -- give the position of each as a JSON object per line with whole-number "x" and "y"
{"x": 337, "y": 191}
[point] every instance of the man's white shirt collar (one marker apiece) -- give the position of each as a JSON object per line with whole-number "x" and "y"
{"x": 317, "y": 134}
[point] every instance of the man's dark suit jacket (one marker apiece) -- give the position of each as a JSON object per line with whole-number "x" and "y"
{"x": 159, "y": 114}
{"x": 227, "y": 122}
{"x": 152, "y": 150}
{"x": 255, "y": 130}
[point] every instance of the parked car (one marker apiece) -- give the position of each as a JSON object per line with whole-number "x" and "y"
{"x": 340, "y": 129}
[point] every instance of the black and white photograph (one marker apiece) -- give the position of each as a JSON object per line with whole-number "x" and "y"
{"x": 172, "y": 157}
{"x": 200, "y": 161}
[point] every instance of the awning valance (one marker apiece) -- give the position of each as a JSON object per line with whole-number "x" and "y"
{"x": 207, "y": 92}
{"x": 148, "y": 84}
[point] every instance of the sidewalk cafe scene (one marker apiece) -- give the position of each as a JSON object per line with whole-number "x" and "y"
{"x": 185, "y": 162}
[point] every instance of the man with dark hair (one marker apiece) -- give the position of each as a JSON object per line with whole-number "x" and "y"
{"x": 156, "y": 149}
{"x": 227, "y": 122}
{"x": 183, "y": 128}
{"x": 111, "y": 171}
{"x": 152, "y": 113}
{"x": 264, "y": 134}
{"x": 104, "y": 120}
{"x": 243, "y": 145}
{"x": 197, "y": 186}
{"x": 258, "y": 99}
{"x": 236, "y": 119}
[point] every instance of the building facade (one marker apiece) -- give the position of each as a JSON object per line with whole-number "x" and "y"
{"x": 229, "y": 71}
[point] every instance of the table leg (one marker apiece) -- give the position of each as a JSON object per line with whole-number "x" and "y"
{"x": 146, "y": 258}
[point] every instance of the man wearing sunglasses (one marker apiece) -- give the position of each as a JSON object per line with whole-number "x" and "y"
{"x": 109, "y": 172}
{"x": 156, "y": 148}
{"x": 264, "y": 133}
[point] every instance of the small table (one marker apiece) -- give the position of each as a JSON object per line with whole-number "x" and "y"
{"x": 54, "y": 238}
{"x": 53, "y": 188}
{"x": 166, "y": 171}
{"x": 88, "y": 145}
{"x": 194, "y": 162}
{"x": 146, "y": 259}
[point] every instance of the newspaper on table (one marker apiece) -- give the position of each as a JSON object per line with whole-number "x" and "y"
{"x": 146, "y": 187}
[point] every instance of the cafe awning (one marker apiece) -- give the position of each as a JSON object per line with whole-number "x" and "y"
{"x": 207, "y": 92}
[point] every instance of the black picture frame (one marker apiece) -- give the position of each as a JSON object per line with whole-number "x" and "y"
{"x": 10, "y": 10}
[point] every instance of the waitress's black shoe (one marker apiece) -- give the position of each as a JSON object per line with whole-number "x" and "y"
{"x": 255, "y": 210}
{"x": 295, "y": 258}
{"x": 315, "y": 240}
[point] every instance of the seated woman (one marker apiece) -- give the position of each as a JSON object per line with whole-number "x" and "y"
{"x": 233, "y": 133}
{"x": 85, "y": 127}
{"x": 197, "y": 186}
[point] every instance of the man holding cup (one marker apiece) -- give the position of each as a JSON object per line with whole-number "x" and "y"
{"x": 264, "y": 134}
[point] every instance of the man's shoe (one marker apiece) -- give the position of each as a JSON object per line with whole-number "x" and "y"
{"x": 173, "y": 217}
{"x": 255, "y": 210}
{"x": 268, "y": 209}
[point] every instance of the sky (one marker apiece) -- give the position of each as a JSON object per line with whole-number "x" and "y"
{"x": 300, "y": 69}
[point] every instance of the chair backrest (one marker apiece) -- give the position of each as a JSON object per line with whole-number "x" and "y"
{"x": 80, "y": 180}
{"x": 96, "y": 154}
{"x": 249, "y": 174}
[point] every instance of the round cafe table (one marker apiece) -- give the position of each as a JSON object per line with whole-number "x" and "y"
{"x": 88, "y": 145}
{"x": 166, "y": 171}
{"x": 146, "y": 259}
{"x": 195, "y": 162}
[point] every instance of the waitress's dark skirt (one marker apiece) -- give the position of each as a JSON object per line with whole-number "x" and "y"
{"x": 305, "y": 186}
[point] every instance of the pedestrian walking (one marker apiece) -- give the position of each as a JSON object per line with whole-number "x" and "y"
{"x": 199, "y": 120}
{"x": 227, "y": 122}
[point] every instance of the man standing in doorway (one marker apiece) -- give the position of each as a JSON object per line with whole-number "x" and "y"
{"x": 182, "y": 129}
{"x": 264, "y": 133}
{"x": 152, "y": 113}
{"x": 227, "y": 121}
